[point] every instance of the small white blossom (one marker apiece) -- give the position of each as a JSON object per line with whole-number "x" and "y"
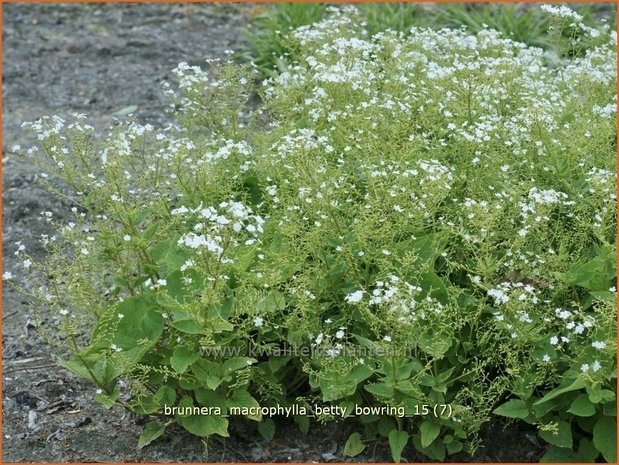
{"x": 584, "y": 367}
{"x": 354, "y": 297}
{"x": 596, "y": 366}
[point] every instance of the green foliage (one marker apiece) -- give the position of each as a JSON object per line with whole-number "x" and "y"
{"x": 270, "y": 26}
{"x": 421, "y": 225}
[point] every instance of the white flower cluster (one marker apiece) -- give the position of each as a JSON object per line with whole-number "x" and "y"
{"x": 519, "y": 291}
{"x": 190, "y": 77}
{"x": 400, "y": 298}
{"x": 562, "y": 11}
{"x": 217, "y": 227}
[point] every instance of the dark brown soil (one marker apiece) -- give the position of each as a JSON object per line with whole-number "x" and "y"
{"x": 98, "y": 59}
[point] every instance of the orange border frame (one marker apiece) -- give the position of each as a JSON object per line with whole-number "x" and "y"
{"x": 616, "y": 2}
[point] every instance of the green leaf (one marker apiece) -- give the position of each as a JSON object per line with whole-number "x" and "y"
{"x": 598, "y": 395}
{"x": 151, "y": 431}
{"x": 610, "y": 409}
{"x": 582, "y": 406}
{"x": 429, "y": 432}
{"x": 220, "y": 325}
{"x": 404, "y": 371}
{"x": 380, "y": 389}
{"x": 454, "y": 447}
{"x": 236, "y": 363}
{"x": 514, "y": 408}
{"x": 178, "y": 289}
{"x": 241, "y": 398}
{"x": 556, "y": 454}
{"x": 279, "y": 244}
{"x": 165, "y": 396}
{"x": 266, "y": 428}
{"x": 587, "y": 452}
{"x": 277, "y": 362}
{"x": 435, "y": 344}
{"x": 577, "y": 384}
{"x": 303, "y": 422}
{"x": 592, "y": 275}
{"x": 208, "y": 372}
{"x": 605, "y": 438}
{"x": 431, "y": 281}
{"x": 132, "y": 328}
{"x": 273, "y": 302}
{"x": 435, "y": 451}
{"x": 211, "y": 398}
{"x": 358, "y": 374}
{"x": 202, "y": 425}
{"x": 188, "y": 325}
{"x": 560, "y": 438}
{"x": 354, "y": 446}
{"x": 107, "y": 400}
{"x": 397, "y": 443}
{"x": 182, "y": 358}
{"x": 385, "y": 426}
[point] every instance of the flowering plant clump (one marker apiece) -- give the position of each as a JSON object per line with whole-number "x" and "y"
{"x": 420, "y": 225}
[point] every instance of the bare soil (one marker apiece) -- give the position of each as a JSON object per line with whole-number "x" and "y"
{"x": 98, "y": 59}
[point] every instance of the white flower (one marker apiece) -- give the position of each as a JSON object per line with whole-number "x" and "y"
{"x": 162, "y": 282}
{"x": 7, "y": 275}
{"x": 127, "y": 237}
{"x": 258, "y": 321}
{"x": 27, "y": 262}
{"x": 598, "y": 344}
{"x": 554, "y": 340}
{"x": 546, "y": 358}
{"x": 339, "y": 334}
{"x": 99, "y": 391}
{"x": 84, "y": 251}
{"x": 319, "y": 339}
{"x": 387, "y": 338}
{"x": 120, "y": 316}
{"x": 584, "y": 367}
{"x": 354, "y": 297}
{"x": 596, "y": 366}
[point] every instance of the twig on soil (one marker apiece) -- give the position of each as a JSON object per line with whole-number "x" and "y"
{"x": 38, "y": 367}
{"x": 25, "y": 360}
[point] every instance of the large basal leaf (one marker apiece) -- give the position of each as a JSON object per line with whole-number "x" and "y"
{"x": 605, "y": 438}
{"x": 122, "y": 336}
{"x": 397, "y": 442}
{"x": 514, "y": 408}
{"x": 202, "y": 425}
